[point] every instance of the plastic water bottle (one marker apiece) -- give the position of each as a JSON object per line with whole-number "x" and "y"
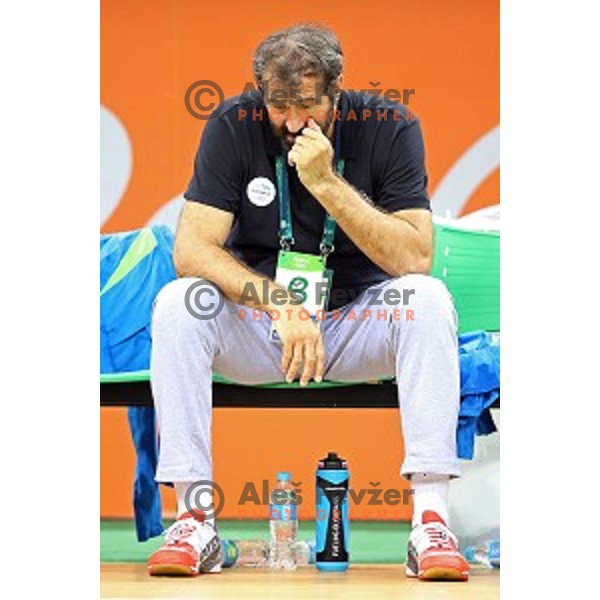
{"x": 255, "y": 553}
{"x": 487, "y": 554}
{"x": 252, "y": 553}
{"x": 283, "y": 524}
{"x": 305, "y": 553}
{"x": 333, "y": 525}
{"x": 230, "y": 553}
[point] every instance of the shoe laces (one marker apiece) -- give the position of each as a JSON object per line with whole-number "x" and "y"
{"x": 439, "y": 536}
{"x": 179, "y": 531}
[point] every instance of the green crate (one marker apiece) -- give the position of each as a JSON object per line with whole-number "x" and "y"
{"x": 468, "y": 262}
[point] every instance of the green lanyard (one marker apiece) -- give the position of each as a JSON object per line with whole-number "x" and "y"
{"x": 286, "y": 237}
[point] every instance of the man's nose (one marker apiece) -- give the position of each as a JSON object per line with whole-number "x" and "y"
{"x": 295, "y": 121}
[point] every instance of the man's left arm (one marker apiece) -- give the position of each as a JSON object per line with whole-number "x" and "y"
{"x": 400, "y": 242}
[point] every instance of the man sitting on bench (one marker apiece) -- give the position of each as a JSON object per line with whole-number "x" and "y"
{"x": 288, "y": 176}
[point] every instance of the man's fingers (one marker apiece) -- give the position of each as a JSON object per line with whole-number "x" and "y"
{"x": 311, "y": 133}
{"x": 295, "y": 364}
{"x": 313, "y": 125}
{"x": 297, "y": 153}
{"x": 310, "y": 361}
{"x": 320, "y": 364}
{"x": 286, "y": 356}
{"x": 303, "y": 141}
{"x": 292, "y": 157}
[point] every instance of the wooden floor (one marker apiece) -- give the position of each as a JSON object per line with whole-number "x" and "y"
{"x": 360, "y": 581}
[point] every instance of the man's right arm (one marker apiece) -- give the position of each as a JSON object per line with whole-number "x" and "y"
{"x": 199, "y": 252}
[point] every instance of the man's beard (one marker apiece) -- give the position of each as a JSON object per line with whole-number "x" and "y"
{"x": 287, "y": 138}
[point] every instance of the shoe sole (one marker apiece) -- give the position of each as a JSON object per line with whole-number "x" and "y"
{"x": 443, "y": 574}
{"x": 182, "y": 570}
{"x": 172, "y": 570}
{"x": 212, "y": 571}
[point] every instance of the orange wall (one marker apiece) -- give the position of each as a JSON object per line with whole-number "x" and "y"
{"x": 252, "y": 444}
{"x": 152, "y": 50}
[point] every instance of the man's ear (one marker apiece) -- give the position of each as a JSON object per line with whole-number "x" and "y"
{"x": 336, "y": 89}
{"x": 337, "y": 84}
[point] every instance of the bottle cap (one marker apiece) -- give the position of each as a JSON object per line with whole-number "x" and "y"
{"x": 333, "y": 461}
{"x": 283, "y": 475}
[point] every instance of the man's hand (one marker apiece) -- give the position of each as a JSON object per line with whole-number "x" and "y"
{"x": 302, "y": 343}
{"x": 312, "y": 155}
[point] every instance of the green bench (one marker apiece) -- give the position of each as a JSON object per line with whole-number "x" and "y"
{"x": 468, "y": 262}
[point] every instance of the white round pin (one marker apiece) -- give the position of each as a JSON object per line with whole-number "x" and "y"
{"x": 261, "y": 191}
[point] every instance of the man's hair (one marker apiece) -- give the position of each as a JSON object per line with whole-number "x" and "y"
{"x": 297, "y": 51}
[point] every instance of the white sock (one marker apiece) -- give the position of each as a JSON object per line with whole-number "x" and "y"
{"x": 430, "y": 493}
{"x": 200, "y": 502}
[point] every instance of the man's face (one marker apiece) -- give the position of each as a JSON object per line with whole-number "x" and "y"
{"x": 290, "y": 108}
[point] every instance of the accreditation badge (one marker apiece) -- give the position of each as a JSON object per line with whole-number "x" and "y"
{"x": 306, "y": 276}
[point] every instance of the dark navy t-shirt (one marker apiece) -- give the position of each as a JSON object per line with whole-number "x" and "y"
{"x": 384, "y": 160}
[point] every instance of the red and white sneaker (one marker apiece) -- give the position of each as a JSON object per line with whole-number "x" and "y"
{"x": 191, "y": 547}
{"x": 433, "y": 552}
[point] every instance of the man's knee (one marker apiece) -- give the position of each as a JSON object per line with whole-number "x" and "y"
{"x": 424, "y": 295}
{"x": 187, "y": 301}
{"x": 171, "y": 298}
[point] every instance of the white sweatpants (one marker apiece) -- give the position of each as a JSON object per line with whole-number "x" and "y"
{"x": 421, "y": 353}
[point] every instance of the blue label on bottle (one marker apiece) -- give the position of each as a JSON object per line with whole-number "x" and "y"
{"x": 494, "y": 553}
{"x": 283, "y": 512}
